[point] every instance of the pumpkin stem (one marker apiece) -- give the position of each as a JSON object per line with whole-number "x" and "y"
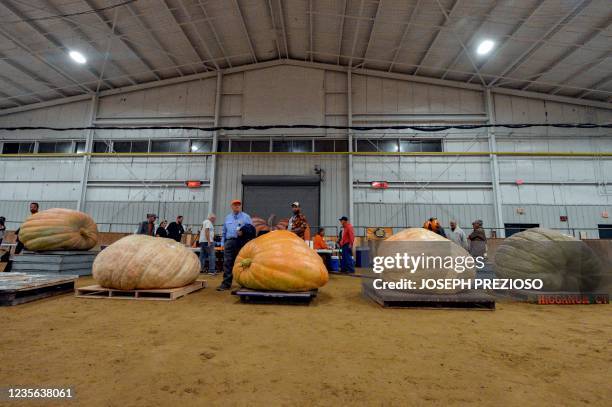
{"x": 246, "y": 263}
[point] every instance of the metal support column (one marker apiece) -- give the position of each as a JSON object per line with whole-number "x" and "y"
{"x": 497, "y": 200}
{"x": 349, "y": 95}
{"x": 93, "y": 111}
{"x": 213, "y": 164}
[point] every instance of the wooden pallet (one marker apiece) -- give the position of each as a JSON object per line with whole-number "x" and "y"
{"x": 19, "y": 288}
{"x": 403, "y": 299}
{"x": 166, "y": 294}
{"x": 275, "y": 297}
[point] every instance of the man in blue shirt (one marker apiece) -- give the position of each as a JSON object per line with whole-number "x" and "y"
{"x": 230, "y": 242}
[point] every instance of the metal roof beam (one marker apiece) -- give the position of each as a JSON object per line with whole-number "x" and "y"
{"x": 596, "y": 86}
{"x": 341, "y": 31}
{"x": 153, "y": 36}
{"x": 578, "y": 73}
{"x": 471, "y": 40}
{"x": 271, "y": 10}
{"x": 355, "y": 36}
{"x": 591, "y": 36}
{"x": 39, "y": 58}
{"x": 120, "y": 36}
{"x": 371, "y": 35}
{"x": 514, "y": 65}
{"x": 246, "y": 31}
{"x": 404, "y": 33}
{"x": 435, "y": 39}
{"x": 310, "y": 37}
{"x": 516, "y": 29}
{"x": 457, "y": 35}
{"x": 52, "y": 39}
{"x": 214, "y": 31}
{"x": 182, "y": 30}
{"x": 17, "y": 86}
{"x": 282, "y": 20}
{"x": 200, "y": 38}
{"x": 33, "y": 75}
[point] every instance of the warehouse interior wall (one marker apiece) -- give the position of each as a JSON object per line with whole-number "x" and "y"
{"x": 120, "y": 190}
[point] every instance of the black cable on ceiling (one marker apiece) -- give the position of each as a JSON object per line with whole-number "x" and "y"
{"x": 52, "y": 17}
{"x": 311, "y": 126}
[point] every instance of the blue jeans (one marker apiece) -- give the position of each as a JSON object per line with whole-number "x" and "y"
{"x": 346, "y": 262}
{"x": 207, "y": 251}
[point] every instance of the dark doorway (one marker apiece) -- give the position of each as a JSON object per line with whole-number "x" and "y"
{"x": 270, "y": 197}
{"x": 512, "y": 228}
{"x": 605, "y": 231}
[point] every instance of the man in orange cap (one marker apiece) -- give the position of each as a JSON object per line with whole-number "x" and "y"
{"x": 231, "y": 246}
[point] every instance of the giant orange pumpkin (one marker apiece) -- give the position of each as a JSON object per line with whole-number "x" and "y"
{"x": 145, "y": 262}
{"x": 59, "y": 229}
{"x": 423, "y": 243}
{"x": 279, "y": 261}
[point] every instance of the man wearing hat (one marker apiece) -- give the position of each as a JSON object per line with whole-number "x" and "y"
{"x": 346, "y": 245}
{"x": 148, "y": 226}
{"x": 478, "y": 240}
{"x": 234, "y": 221}
{"x": 298, "y": 223}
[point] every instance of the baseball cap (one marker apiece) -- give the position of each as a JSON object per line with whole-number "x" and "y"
{"x": 296, "y": 203}
{"x": 343, "y": 218}
{"x": 236, "y": 201}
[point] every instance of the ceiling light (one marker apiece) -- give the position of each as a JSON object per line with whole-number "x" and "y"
{"x": 485, "y": 47}
{"x": 77, "y": 57}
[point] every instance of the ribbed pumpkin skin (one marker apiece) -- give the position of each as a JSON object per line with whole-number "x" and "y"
{"x": 415, "y": 234}
{"x": 279, "y": 261}
{"x": 563, "y": 262}
{"x": 414, "y": 242}
{"x": 145, "y": 262}
{"x": 59, "y": 229}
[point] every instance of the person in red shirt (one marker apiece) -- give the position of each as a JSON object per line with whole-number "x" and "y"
{"x": 346, "y": 246}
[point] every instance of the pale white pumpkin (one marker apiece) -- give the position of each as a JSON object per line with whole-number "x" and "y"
{"x": 145, "y": 262}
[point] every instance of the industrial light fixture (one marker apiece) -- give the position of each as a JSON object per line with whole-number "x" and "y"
{"x": 485, "y": 47}
{"x": 77, "y": 57}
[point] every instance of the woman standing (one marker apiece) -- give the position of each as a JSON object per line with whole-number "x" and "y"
{"x": 161, "y": 230}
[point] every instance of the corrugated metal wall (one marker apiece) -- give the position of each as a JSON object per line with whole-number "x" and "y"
{"x": 122, "y": 190}
{"x": 334, "y": 187}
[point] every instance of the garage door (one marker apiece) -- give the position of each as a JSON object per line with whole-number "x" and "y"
{"x": 267, "y": 196}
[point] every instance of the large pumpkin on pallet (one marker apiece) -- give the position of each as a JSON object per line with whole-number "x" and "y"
{"x": 59, "y": 229}
{"x": 563, "y": 262}
{"x": 145, "y": 262}
{"x": 269, "y": 225}
{"x": 436, "y": 253}
{"x": 279, "y": 261}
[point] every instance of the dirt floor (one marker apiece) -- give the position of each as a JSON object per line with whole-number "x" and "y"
{"x": 208, "y": 349}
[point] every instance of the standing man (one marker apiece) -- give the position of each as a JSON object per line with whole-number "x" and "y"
{"x": 346, "y": 245}
{"x": 207, "y": 244}
{"x": 234, "y": 221}
{"x": 175, "y": 229}
{"x": 478, "y": 240}
{"x": 457, "y": 235}
{"x": 33, "y": 210}
{"x": 298, "y": 223}
{"x": 148, "y": 226}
